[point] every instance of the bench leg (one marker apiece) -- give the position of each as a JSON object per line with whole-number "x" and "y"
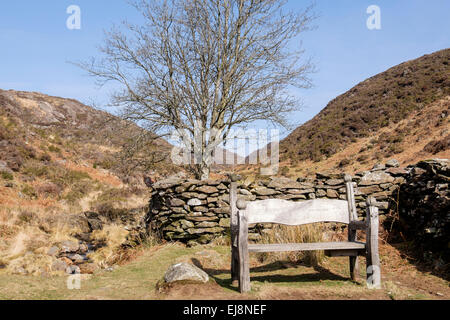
{"x": 244, "y": 263}
{"x": 373, "y": 259}
{"x": 354, "y": 268}
{"x": 234, "y": 230}
{"x": 234, "y": 265}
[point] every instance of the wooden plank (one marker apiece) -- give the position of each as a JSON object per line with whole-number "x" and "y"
{"x": 345, "y": 253}
{"x": 244, "y": 260}
{"x": 297, "y": 213}
{"x": 234, "y": 230}
{"x": 286, "y": 247}
{"x": 353, "y": 226}
{"x": 372, "y": 257}
{"x": 353, "y": 214}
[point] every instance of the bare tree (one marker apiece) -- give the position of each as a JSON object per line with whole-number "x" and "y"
{"x": 210, "y": 64}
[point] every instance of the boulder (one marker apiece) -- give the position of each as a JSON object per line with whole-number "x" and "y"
{"x": 265, "y": 192}
{"x": 177, "y": 202}
{"x": 378, "y": 167}
{"x": 332, "y": 194}
{"x": 300, "y": 191}
{"x": 207, "y": 224}
{"x": 369, "y": 190}
{"x": 245, "y": 192}
{"x": 76, "y": 258}
{"x": 208, "y": 189}
{"x": 167, "y": 183}
{"x": 334, "y": 182}
{"x": 376, "y": 177}
{"x": 328, "y": 175}
{"x": 205, "y": 230}
{"x": 68, "y": 246}
{"x": 88, "y": 268}
{"x": 284, "y": 183}
{"x": 185, "y": 272}
{"x": 201, "y": 219}
{"x": 393, "y": 163}
{"x": 59, "y": 265}
{"x": 193, "y": 195}
{"x": 94, "y": 221}
{"x": 194, "y": 202}
{"x": 53, "y": 251}
{"x": 73, "y": 270}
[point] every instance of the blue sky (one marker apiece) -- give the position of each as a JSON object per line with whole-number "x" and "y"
{"x": 36, "y": 46}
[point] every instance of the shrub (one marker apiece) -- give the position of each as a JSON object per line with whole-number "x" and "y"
{"x": 35, "y": 170}
{"x": 54, "y": 149}
{"x": 344, "y": 162}
{"x": 49, "y": 189}
{"x": 6, "y": 175}
{"x": 284, "y": 171}
{"x": 45, "y": 158}
{"x": 77, "y": 191}
{"x": 29, "y": 191}
{"x": 26, "y": 216}
{"x": 437, "y": 146}
{"x": 362, "y": 158}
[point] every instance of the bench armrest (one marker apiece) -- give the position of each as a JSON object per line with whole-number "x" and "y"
{"x": 358, "y": 225}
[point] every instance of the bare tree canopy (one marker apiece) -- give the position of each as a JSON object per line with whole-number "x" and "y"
{"x": 211, "y": 63}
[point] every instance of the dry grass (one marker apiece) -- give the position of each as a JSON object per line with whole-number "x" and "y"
{"x": 113, "y": 236}
{"x": 294, "y": 234}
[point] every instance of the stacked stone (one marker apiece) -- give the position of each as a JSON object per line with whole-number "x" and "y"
{"x": 425, "y": 209}
{"x": 193, "y": 210}
{"x": 190, "y": 209}
{"x": 383, "y": 183}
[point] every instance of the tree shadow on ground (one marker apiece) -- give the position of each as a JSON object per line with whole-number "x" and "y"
{"x": 320, "y": 274}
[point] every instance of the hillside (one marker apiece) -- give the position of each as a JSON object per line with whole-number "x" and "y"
{"x": 402, "y": 113}
{"x": 59, "y": 159}
{"x": 57, "y": 152}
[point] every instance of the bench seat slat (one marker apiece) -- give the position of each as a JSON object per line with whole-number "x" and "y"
{"x": 285, "y": 247}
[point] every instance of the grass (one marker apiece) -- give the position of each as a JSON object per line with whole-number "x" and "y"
{"x": 141, "y": 279}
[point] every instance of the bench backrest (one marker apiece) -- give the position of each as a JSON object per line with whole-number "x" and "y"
{"x": 297, "y": 213}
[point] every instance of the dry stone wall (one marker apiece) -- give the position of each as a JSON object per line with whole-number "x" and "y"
{"x": 199, "y": 211}
{"x": 424, "y": 210}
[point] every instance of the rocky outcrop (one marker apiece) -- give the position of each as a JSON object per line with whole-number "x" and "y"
{"x": 425, "y": 210}
{"x": 71, "y": 256}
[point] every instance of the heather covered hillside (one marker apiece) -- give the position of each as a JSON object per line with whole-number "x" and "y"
{"x": 387, "y": 108}
{"x": 60, "y": 159}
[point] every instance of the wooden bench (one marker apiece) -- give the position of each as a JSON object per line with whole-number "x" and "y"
{"x": 276, "y": 211}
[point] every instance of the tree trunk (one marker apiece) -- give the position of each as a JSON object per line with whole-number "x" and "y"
{"x": 205, "y": 170}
